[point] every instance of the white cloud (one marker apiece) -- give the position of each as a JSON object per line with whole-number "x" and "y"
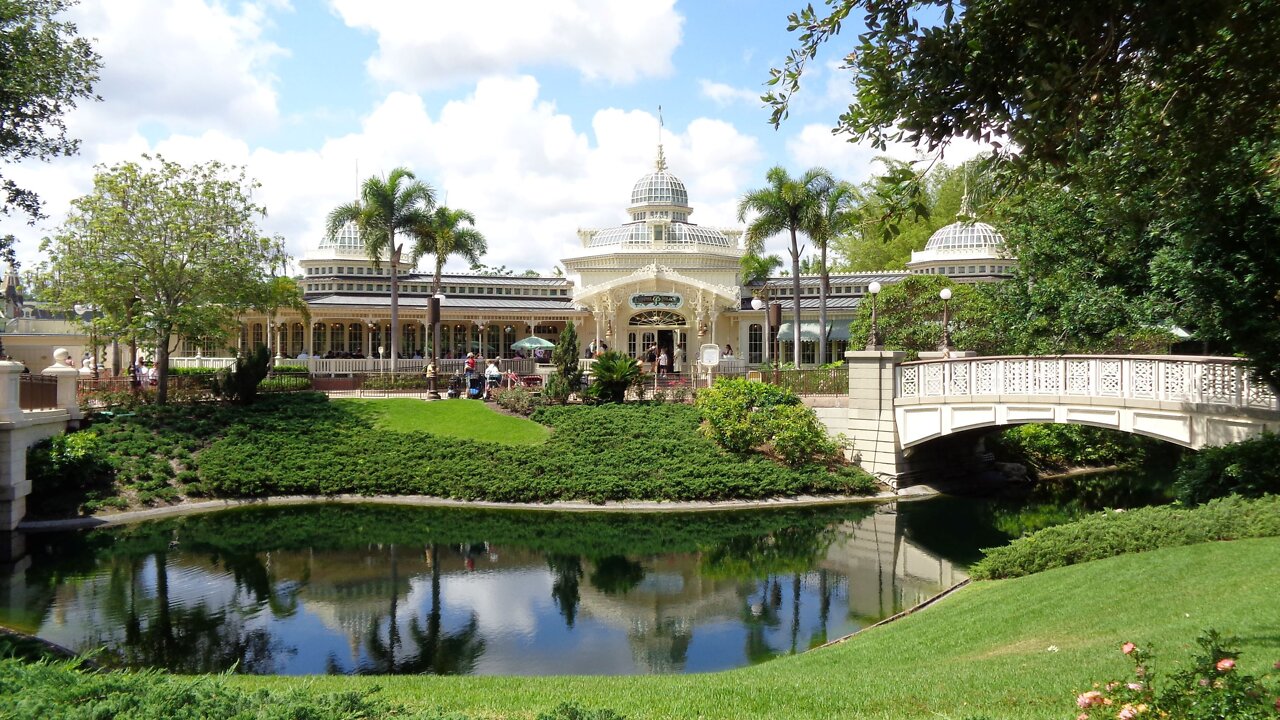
{"x": 722, "y": 94}
{"x": 431, "y": 44}
{"x": 189, "y": 65}
{"x": 511, "y": 158}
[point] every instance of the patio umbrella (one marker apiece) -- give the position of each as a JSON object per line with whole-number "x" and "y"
{"x": 533, "y": 342}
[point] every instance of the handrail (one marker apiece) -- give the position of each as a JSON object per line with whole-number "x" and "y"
{"x": 1176, "y": 378}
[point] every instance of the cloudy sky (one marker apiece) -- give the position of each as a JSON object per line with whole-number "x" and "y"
{"x": 536, "y": 116}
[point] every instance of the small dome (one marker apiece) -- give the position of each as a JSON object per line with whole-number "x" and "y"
{"x": 659, "y": 188}
{"x": 965, "y": 236}
{"x": 348, "y": 238}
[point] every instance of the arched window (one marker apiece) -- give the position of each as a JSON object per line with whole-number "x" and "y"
{"x": 317, "y": 338}
{"x": 658, "y": 318}
{"x": 257, "y": 335}
{"x": 354, "y": 336}
{"x": 755, "y": 344}
{"x": 296, "y": 344}
{"x": 631, "y": 344}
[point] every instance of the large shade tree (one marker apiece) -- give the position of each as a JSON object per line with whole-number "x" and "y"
{"x": 45, "y": 68}
{"x": 163, "y": 251}
{"x": 790, "y": 205}
{"x": 389, "y": 208}
{"x": 1161, "y": 118}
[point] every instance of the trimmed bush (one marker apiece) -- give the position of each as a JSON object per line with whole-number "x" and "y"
{"x": 517, "y": 400}
{"x": 797, "y": 436}
{"x": 728, "y": 409}
{"x": 1111, "y": 533}
{"x": 1250, "y": 468}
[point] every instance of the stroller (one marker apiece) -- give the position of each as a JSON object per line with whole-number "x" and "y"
{"x": 475, "y": 387}
{"x": 455, "y": 386}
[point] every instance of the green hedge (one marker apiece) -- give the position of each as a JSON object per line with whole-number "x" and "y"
{"x": 61, "y": 689}
{"x": 1111, "y": 533}
{"x": 303, "y": 444}
{"x": 1250, "y": 468}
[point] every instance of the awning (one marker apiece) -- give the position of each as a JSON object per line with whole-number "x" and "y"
{"x": 809, "y": 331}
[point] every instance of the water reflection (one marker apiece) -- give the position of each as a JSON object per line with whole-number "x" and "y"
{"x": 379, "y": 589}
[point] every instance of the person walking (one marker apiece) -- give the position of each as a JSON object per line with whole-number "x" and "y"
{"x": 651, "y": 357}
{"x": 678, "y": 359}
{"x": 664, "y": 362}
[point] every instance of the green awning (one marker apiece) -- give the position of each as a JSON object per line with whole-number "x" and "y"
{"x": 809, "y": 331}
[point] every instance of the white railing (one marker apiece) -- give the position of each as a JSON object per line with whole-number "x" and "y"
{"x": 1209, "y": 380}
{"x": 355, "y": 366}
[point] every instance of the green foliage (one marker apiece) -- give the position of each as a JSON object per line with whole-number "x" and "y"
{"x": 1107, "y": 534}
{"x": 797, "y": 436}
{"x": 1211, "y": 689}
{"x": 1250, "y": 468}
{"x": 65, "y": 467}
{"x": 728, "y": 410}
{"x": 45, "y": 68}
{"x": 556, "y": 390}
{"x": 62, "y": 689}
{"x": 194, "y": 371}
{"x": 517, "y": 400}
{"x": 565, "y": 357}
{"x": 394, "y": 381}
{"x": 239, "y": 382}
{"x": 449, "y": 232}
{"x": 569, "y": 711}
{"x": 302, "y": 444}
{"x": 1046, "y": 447}
{"x": 614, "y": 372}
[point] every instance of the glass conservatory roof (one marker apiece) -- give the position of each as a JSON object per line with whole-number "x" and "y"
{"x": 659, "y": 188}
{"x": 348, "y": 238}
{"x": 965, "y": 235}
{"x": 677, "y": 234}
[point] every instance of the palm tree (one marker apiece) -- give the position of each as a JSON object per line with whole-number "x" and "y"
{"x": 786, "y": 204}
{"x": 399, "y": 203}
{"x": 837, "y": 212}
{"x": 445, "y": 235}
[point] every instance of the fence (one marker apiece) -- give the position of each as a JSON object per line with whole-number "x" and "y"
{"x": 354, "y": 366}
{"x": 37, "y": 392}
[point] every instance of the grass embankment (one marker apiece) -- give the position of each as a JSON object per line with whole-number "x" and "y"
{"x": 985, "y": 651}
{"x": 306, "y": 445}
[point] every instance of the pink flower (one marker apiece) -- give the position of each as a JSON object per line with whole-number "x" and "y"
{"x": 1088, "y": 699}
{"x": 1128, "y": 648}
{"x": 1128, "y": 712}
{"x": 1134, "y": 686}
{"x": 1225, "y": 665}
{"x": 1085, "y": 716}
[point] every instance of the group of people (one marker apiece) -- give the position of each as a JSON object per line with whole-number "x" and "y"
{"x": 661, "y": 363}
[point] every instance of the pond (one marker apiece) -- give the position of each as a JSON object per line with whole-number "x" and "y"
{"x": 368, "y": 588}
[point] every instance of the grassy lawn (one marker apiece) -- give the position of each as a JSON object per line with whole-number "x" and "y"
{"x": 461, "y": 419}
{"x": 982, "y": 653}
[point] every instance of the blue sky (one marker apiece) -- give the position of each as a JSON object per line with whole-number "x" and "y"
{"x": 537, "y": 117}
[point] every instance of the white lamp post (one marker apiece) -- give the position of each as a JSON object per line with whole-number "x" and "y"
{"x": 758, "y": 304}
{"x": 945, "y": 347}
{"x": 873, "y": 340}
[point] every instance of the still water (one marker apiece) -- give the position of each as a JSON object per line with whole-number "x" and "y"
{"x": 390, "y": 589}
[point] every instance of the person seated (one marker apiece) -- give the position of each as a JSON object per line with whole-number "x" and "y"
{"x": 303, "y": 355}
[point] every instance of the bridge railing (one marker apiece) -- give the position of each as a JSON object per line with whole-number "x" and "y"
{"x": 1208, "y": 380}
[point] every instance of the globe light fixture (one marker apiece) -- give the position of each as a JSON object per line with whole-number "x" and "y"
{"x": 757, "y": 303}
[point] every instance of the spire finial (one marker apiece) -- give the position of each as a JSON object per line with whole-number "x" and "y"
{"x": 966, "y": 204}
{"x": 661, "y": 163}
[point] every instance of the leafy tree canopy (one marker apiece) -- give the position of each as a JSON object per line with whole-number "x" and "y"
{"x": 162, "y": 250}
{"x": 1161, "y": 120}
{"x": 45, "y": 68}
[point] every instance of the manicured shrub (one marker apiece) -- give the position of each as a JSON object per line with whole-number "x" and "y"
{"x": 1211, "y": 689}
{"x": 741, "y": 415}
{"x": 614, "y": 373}
{"x": 239, "y": 383}
{"x": 67, "y": 466}
{"x": 1111, "y": 533}
{"x": 556, "y": 390}
{"x": 1250, "y": 468}
{"x": 797, "y": 436}
{"x": 517, "y": 400}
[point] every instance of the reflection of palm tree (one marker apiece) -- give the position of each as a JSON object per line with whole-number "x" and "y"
{"x": 795, "y": 611}
{"x": 564, "y": 590}
{"x": 760, "y": 617}
{"x": 440, "y": 653}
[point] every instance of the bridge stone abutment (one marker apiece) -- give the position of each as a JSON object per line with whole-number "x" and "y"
{"x": 20, "y": 429}
{"x": 871, "y": 425}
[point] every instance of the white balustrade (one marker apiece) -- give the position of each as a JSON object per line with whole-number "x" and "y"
{"x": 1207, "y": 380}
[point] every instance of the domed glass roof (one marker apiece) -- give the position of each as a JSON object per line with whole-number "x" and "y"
{"x": 677, "y": 233}
{"x": 348, "y": 238}
{"x": 965, "y": 236}
{"x": 659, "y": 188}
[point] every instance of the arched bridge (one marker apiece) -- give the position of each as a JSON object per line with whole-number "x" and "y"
{"x": 1194, "y": 402}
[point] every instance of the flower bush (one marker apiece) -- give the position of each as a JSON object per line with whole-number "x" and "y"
{"x": 1213, "y": 688}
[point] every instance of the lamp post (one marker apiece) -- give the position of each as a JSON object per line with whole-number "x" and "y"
{"x": 433, "y": 316}
{"x": 945, "y": 346}
{"x": 758, "y": 304}
{"x": 775, "y": 321}
{"x": 873, "y": 339}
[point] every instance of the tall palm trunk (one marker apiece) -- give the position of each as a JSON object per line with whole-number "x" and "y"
{"x": 823, "y": 289}
{"x": 795, "y": 297}
{"x": 395, "y": 301}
